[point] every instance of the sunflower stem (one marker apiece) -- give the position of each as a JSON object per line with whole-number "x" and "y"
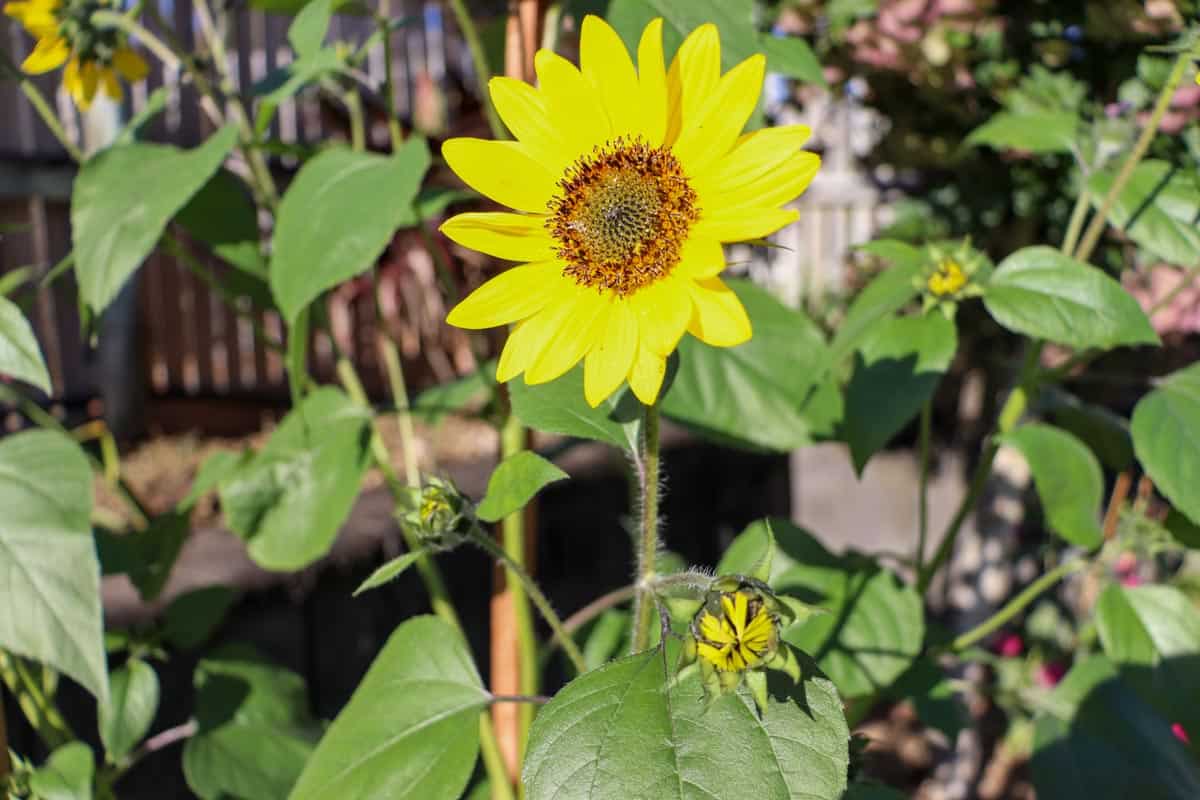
{"x": 38, "y": 101}
{"x": 383, "y": 24}
{"x": 483, "y": 73}
{"x": 923, "y": 497}
{"x": 647, "y": 551}
{"x": 512, "y": 441}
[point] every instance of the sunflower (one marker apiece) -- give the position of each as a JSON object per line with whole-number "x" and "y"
{"x": 625, "y": 183}
{"x": 94, "y": 57}
{"x": 739, "y": 637}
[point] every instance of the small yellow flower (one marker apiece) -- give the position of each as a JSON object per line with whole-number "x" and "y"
{"x": 626, "y": 181}
{"x": 94, "y": 57}
{"x": 948, "y": 279}
{"x": 740, "y": 637}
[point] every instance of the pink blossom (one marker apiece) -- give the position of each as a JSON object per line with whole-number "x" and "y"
{"x": 1010, "y": 646}
{"x": 1049, "y": 674}
{"x": 1180, "y": 733}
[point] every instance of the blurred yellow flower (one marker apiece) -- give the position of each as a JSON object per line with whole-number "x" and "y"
{"x": 949, "y": 278}
{"x": 94, "y": 57}
{"x": 626, "y": 182}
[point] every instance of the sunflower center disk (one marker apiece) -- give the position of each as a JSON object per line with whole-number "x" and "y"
{"x": 622, "y": 216}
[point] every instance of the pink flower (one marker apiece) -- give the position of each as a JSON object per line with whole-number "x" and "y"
{"x": 1180, "y": 734}
{"x": 1010, "y": 646}
{"x": 1049, "y": 674}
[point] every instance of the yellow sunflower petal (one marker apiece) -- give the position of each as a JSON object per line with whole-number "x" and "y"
{"x": 71, "y": 82}
{"x": 575, "y": 107}
{"x": 49, "y": 53}
{"x": 523, "y": 345}
{"x": 89, "y": 81}
{"x": 714, "y": 655}
{"x": 788, "y": 181}
{"x": 663, "y": 310}
{"x": 743, "y": 223}
{"x": 612, "y": 354}
{"x": 130, "y": 65}
{"x": 701, "y": 257}
{"x": 503, "y": 171}
{"x": 112, "y": 87}
{"x": 514, "y": 237}
{"x": 17, "y": 10}
{"x": 652, "y": 84}
{"x": 756, "y": 155}
{"x": 525, "y": 113}
{"x": 715, "y": 129}
{"x": 575, "y": 334}
{"x": 646, "y": 377}
{"x": 714, "y": 629}
{"x": 718, "y": 317}
{"x": 607, "y": 67}
{"x": 693, "y": 76}
{"x": 512, "y": 295}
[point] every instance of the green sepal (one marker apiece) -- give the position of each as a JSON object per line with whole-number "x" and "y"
{"x": 785, "y": 661}
{"x": 756, "y": 681}
{"x": 797, "y": 609}
{"x": 762, "y": 568}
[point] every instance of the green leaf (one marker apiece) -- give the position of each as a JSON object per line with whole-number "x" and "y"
{"x": 608, "y": 636}
{"x": 289, "y": 501}
{"x": 287, "y": 80}
{"x": 514, "y": 483}
{"x": 792, "y": 56}
{"x": 255, "y": 733}
{"x": 66, "y": 775}
{"x": 193, "y": 616}
{"x": 133, "y": 702}
{"x": 146, "y": 556}
{"x": 1044, "y": 132}
{"x": 432, "y": 201}
{"x": 1153, "y": 634}
{"x": 933, "y": 696}
{"x": 1070, "y": 484}
{"x": 122, "y": 201}
{"x": 51, "y": 590}
{"x": 338, "y": 216}
{"x": 890, "y": 291}
{"x": 754, "y": 394}
{"x": 411, "y": 730}
{"x": 222, "y": 215}
{"x": 1186, "y": 532}
{"x": 216, "y": 468}
{"x": 875, "y": 625}
{"x": 433, "y": 404}
{"x": 20, "y": 356}
{"x": 559, "y": 407}
{"x": 1106, "y": 433}
{"x": 389, "y": 571}
{"x": 155, "y": 104}
{"x": 900, "y": 363}
{"x": 308, "y": 29}
{"x": 616, "y": 733}
{"x": 1166, "y": 438}
{"x": 1040, "y": 292}
{"x": 1095, "y": 740}
{"x": 1166, "y": 202}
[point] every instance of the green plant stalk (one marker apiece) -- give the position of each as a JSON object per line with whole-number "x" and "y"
{"x": 354, "y": 109}
{"x": 435, "y": 586}
{"x": 1016, "y": 605}
{"x": 923, "y": 497}
{"x": 382, "y": 23}
{"x": 38, "y": 706}
{"x": 483, "y": 73}
{"x": 5, "y": 762}
{"x": 515, "y": 570}
{"x": 1075, "y": 225}
{"x": 408, "y": 436}
{"x": 512, "y": 531}
{"x": 1149, "y": 130}
{"x": 647, "y": 550}
{"x": 38, "y": 101}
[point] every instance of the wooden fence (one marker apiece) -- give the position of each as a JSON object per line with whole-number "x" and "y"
{"x": 190, "y": 344}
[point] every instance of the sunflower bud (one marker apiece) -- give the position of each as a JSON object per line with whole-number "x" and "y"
{"x": 735, "y": 636}
{"x": 440, "y": 515}
{"x": 951, "y": 273}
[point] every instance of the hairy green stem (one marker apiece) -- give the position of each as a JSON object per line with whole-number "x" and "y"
{"x": 1016, "y": 605}
{"x": 647, "y": 551}
{"x": 483, "y": 73}
{"x": 354, "y": 109}
{"x": 383, "y": 25}
{"x": 354, "y": 388}
{"x": 1075, "y": 225}
{"x": 923, "y": 497}
{"x": 38, "y": 101}
{"x": 485, "y": 542}
{"x": 38, "y": 706}
{"x": 408, "y": 436}
{"x": 1096, "y": 228}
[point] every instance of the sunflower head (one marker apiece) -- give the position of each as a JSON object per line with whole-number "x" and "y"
{"x": 439, "y": 515}
{"x": 93, "y": 57}
{"x": 625, "y": 181}
{"x": 953, "y": 272}
{"x": 735, "y": 637}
